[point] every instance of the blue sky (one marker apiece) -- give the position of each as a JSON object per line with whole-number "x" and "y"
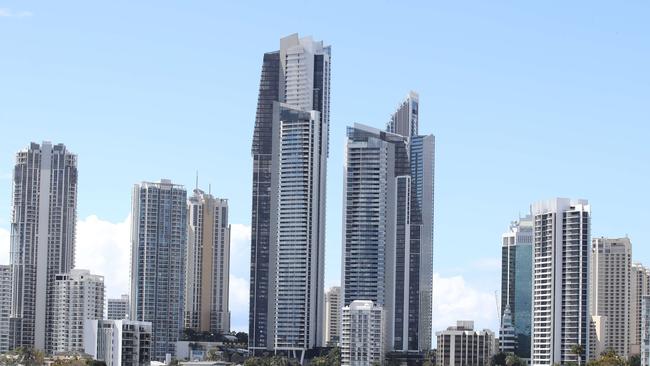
{"x": 527, "y": 101}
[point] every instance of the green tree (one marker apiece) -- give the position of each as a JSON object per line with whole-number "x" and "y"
{"x": 242, "y": 337}
{"x": 514, "y": 360}
{"x": 29, "y": 356}
{"x": 634, "y": 360}
{"x": 498, "y": 359}
{"x": 214, "y": 355}
{"x": 578, "y": 350}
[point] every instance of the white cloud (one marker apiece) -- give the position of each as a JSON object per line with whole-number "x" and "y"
{"x": 4, "y": 246}
{"x": 6, "y": 12}
{"x": 104, "y": 248}
{"x": 240, "y": 258}
{"x": 454, "y": 299}
{"x": 240, "y": 250}
{"x": 239, "y": 296}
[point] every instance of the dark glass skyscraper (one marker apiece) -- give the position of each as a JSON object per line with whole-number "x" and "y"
{"x": 290, "y": 144}
{"x": 517, "y": 281}
{"x": 388, "y": 225}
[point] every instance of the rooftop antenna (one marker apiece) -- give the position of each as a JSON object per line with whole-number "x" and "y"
{"x": 197, "y": 180}
{"x": 210, "y": 188}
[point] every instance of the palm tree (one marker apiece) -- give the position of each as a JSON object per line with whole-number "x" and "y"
{"x": 578, "y": 350}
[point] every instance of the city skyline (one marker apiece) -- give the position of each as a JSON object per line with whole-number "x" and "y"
{"x": 606, "y": 126}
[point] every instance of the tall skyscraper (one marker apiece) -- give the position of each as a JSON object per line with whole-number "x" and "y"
{"x": 290, "y": 145}
{"x": 78, "y": 297}
{"x": 611, "y": 262}
{"x": 208, "y": 264}
{"x": 414, "y": 258}
{"x": 517, "y": 281}
{"x": 388, "y": 225}
{"x": 332, "y": 325}
{"x": 5, "y": 306}
{"x": 376, "y": 185}
{"x": 118, "y": 309}
{"x": 640, "y": 286}
{"x": 43, "y": 221}
{"x": 561, "y": 249}
{"x": 158, "y": 242}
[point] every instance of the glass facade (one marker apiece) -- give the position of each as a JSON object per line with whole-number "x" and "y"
{"x": 516, "y": 281}
{"x": 258, "y": 332}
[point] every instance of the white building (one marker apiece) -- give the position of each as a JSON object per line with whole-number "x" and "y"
{"x": 332, "y": 324}
{"x": 290, "y": 149}
{"x": 640, "y": 286}
{"x": 43, "y": 221}
{"x": 5, "y": 306}
{"x": 208, "y": 264}
{"x": 158, "y": 244}
{"x": 362, "y": 334}
{"x": 507, "y": 335}
{"x": 645, "y": 330}
{"x": 561, "y": 251}
{"x": 462, "y": 345}
{"x": 611, "y": 261}
{"x": 118, "y": 309}
{"x": 118, "y": 342}
{"x": 78, "y": 296}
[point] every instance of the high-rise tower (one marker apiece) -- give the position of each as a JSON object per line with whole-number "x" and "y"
{"x": 290, "y": 145}
{"x": 414, "y": 257}
{"x": 388, "y": 225}
{"x": 561, "y": 250}
{"x": 611, "y": 264}
{"x": 517, "y": 281}
{"x": 208, "y": 264}
{"x": 158, "y": 243}
{"x": 44, "y": 215}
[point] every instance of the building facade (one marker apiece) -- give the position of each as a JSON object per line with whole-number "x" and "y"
{"x": 362, "y": 341}
{"x": 5, "y": 306}
{"x": 462, "y": 345}
{"x": 290, "y": 148}
{"x": 645, "y": 330}
{"x": 118, "y": 342}
{"x": 78, "y": 297}
{"x": 158, "y": 244}
{"x": 117, "y": 309}
{"x": 376, "y": 164}
{"x": 388, "y": 225}
{"x": 208, "y": 264}
{"x": 517, "y": 281}
{"x": 332, "y": 323}
{"x": 43, "y": 222}
{"x": 611, "y": 264}
{"x": 507, "y": 335}
{"x": 640, "y": 286}
{"x": 561, "y": 251}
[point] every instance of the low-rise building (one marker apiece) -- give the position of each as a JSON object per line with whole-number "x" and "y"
{"x": 118, "y": 342}
{"x": 118, "y": 309}
{"x": 462, "y": 345}
{"x": 362, "y": 336}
